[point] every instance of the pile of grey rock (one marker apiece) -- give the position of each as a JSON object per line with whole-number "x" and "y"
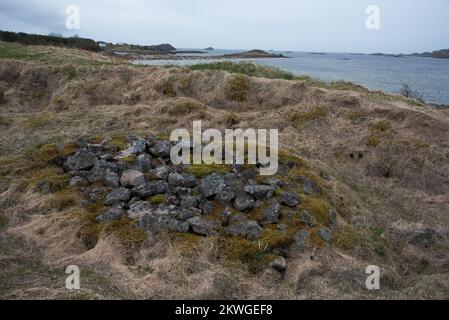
{"x": 141, "y": 183}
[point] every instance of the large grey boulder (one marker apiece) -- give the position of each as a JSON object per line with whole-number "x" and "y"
{"x": 202, "y": 226}
{"x": 290, "y": 198}
{"x": 243, "y": 202}
{"x": 325, "y": 234}
{"x": 112, "y": 179}
{"x": 161, "y": 149}
{"x": 95, "y": 147}
{"x": 110, "y": 215}
{"x": 82, "y": 160}
{"x": 189, "y": 202}
{"x": 260, "y": 192}
{"x": 182, "y": 214}
{"x": 159, "y": 222}
{"x": 150, "y": 189}
{"x": 138, "y": 145}
{"x": 175, "y": 179}
{"x": 271, "y": 214}
{"x": 117, "y": 196}
{"x": 247, "y": 229}
{"x": 143, "y": 163}
{"x": 78, "y": 182}
{"x": 132, "y": 178}
{"x": 162, "y": 172}
{"x": 332, "y": 217}
{"x": 138, "y": 209}
{"x": 206, "y": 207}
{"x": 305, "y": 217}
{"x": 96, "y": 174}
{"x": 44, "y": 187}
{"x": 183, "y": 180}
{"x": 301, "y": 238}
{"x": 308, "y": 186}
{"x": 231, "y": 179}
{"x": 212, "y": 184}
{"x": 225, "y": 197}
{"x": 274, "y": 182}
{"x": 190, "y": 180}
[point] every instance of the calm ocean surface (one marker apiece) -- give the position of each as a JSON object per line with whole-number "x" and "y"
{"x": 428, "y": 76}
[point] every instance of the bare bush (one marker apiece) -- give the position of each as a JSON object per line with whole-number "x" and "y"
{"x": 408, "y": 92}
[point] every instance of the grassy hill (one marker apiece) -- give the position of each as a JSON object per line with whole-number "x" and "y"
{"x": 381, "y": 162}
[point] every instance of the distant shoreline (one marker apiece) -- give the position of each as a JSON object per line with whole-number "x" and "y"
{"x": 253, "y": 54}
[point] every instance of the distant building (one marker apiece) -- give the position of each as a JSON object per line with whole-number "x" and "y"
{"x": 102, "y": 44}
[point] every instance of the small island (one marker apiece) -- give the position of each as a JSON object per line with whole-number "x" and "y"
{"x": 253, "y": 54}
{"x": 440, "y": 54}
{"x": 186, "y": 55}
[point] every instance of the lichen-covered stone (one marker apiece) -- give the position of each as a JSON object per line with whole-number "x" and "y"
{"x": 81, "y": 160}
{"x": 290, "y": 198}
{"x": 117, "y": 196}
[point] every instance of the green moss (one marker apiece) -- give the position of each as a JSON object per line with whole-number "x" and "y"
{"x": 238, "y": 88}
{"x": 120, "y": 141}
{"x": 317, "y": 207}
{"x": 274, "y": 238}
{"x": 126, "y": 231}
{"x": 348, "y": 237}
{"x": 278, "y": 192}
{"x": 55, "y": 177}
{"x": 185, "y": 242}
{"x": 253, "y": 254}
{"x": 129, "y": 159}
{"x": 69, "y": 149}
{"x": 366, "y": 239}
{"x": 157, "y": 199}
{"x": 202, "y": 170}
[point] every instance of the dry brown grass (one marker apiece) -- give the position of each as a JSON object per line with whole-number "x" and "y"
{"x": 384, "y": 163}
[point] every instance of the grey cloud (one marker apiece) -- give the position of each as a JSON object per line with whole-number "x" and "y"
{"x": 38, "y": 15}
{"x": 309, "y": 25}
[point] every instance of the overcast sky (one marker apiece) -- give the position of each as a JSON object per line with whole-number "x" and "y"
{"x": 304, "y": 25}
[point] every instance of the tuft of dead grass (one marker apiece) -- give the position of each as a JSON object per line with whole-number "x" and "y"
{"x": 238, "y": 88}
